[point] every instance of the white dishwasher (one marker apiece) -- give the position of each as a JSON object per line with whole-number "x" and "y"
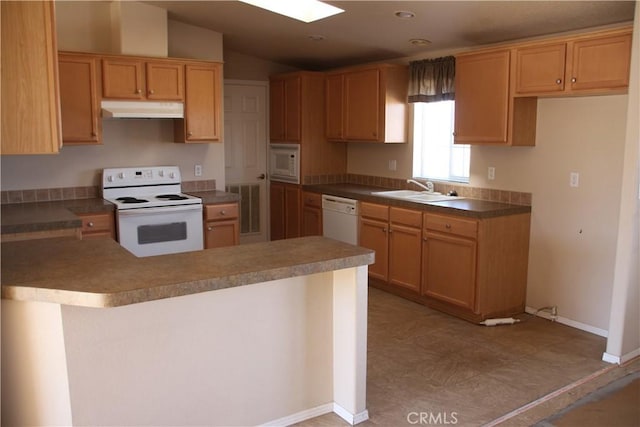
{"x": 340, "y": 219}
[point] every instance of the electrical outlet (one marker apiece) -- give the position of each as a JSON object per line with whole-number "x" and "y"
{"x": 197, "y": 170}
{"x": 574, "y": 179}
{"x": 491, "y": 173}
{"x": 393, "y": 165}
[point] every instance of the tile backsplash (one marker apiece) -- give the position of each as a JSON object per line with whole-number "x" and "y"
{"x": 74, "y": 193}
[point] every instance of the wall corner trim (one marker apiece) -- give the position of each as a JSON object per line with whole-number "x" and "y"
{"x": 352, "y": 419}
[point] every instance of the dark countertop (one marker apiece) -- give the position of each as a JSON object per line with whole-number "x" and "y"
{"x": 82, "y": 273}
{"x": 474, "y": 208}
{"x": 58, "y": 215}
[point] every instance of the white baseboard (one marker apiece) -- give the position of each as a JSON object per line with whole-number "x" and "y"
{"x": 318, "y": 411}
{"x": 578, "y": 325}
{"x": 352, "y": 419}
{"x": 301, "y": 416}
{"x": 619, "y": 360}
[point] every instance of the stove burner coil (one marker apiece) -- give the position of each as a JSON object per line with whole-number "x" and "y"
{"x": 171, "y": 197}
{"x": 131, "y": 200}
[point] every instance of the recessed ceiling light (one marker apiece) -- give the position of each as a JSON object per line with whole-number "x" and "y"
{"x": 302, "y": 10}
{"x": 405, "y": 14}
{"x": 419, "y": 42}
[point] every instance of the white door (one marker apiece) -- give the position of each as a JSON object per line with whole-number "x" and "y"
{"x": 245, "y": 139}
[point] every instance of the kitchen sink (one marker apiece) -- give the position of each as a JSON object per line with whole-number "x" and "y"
{"x": 415, "y": 196}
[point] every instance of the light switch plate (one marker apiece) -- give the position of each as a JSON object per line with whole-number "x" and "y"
{"x": 574, "y": 179}
{"x": 491, "y": 173}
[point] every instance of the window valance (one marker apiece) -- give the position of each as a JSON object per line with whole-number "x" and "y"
{"x": 432, "y": 80}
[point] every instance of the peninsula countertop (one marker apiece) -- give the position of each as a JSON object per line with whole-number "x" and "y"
{"x": 474, "y": 208}
{"x": 101, "y": 273}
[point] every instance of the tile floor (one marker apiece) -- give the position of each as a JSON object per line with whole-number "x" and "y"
{"x": 421, "y": 361}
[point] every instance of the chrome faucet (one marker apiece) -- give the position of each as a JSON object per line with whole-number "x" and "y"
{"x": 428, "y": 187}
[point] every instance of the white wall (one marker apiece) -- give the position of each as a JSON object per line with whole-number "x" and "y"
{"x": 624, "y": 327}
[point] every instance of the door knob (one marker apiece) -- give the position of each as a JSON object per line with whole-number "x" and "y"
{"x": 261, "y": 176}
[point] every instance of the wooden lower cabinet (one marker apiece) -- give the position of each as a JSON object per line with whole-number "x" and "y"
{"x": 405, "y": 247}
{"x": 311, "y": 214}
{"x": 221, "y": 225}
{"x": 98, "y": 225}
{"x": 475, "y": 269}
{"x": 284, "y": 206}
{"x": 472, "y": 268}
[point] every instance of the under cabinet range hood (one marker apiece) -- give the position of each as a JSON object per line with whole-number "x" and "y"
{"x": 142, "y": 110}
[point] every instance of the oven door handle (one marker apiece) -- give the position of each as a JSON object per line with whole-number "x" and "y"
{"x": 160, "y": 210}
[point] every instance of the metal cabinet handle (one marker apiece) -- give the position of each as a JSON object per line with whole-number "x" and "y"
{"x": 90, "y": 224}
{"x": 209, "y": 228}
{"x": 573, "y": 80}
{"x": 447, "y": 226}
{"x": 558, "y": 81}
{"x": 138, "y": 91}
{"x": 189, "y": 133}
{"x": 151, "y": 92}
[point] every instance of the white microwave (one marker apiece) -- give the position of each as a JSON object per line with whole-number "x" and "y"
{"x": 284, "y": 163}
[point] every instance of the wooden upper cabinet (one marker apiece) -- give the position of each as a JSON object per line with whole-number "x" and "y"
{"x": 165, "y": 81}
{"x": 30, "y": 107}
{"x": 482, "y": 97}
{"x": 540, "y": 68}
{"x": 137, "y": 79}
{"x": 203, "y": 104}
{"x": 581, "y": 65}
{"x": 79, "y": 99}
{"x": 285, "y": 99}
{"x": 600, "y": 63}
{"x": 334, "y": 104}
{"x": 123, "y": 78}
{"x": 367, "y": 104}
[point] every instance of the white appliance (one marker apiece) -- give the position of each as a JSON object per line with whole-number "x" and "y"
{"x": 284, "y": 163}
{"x": 153, "y": 216}
{"x": 340, "y": 219}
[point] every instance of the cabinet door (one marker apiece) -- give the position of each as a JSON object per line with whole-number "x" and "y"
{"x": 79, "y": 103}
{"x": 292, "y": 211}
{"x": 311, "y": 221}
{"x": 405, "y": 248}
{"x": 540, "y": 69}
{"x": 29, "y": 79}
{"x": 122, "y": 78}
{"x": 218, "y": 234}
{"x": 293, "y": 109}
{"x": 374, "y": 234}
{"x": 276, "y": 110}
{"x": 98, "y": 226}
{"x": 203, "y": 101}
{"x": 165, "y": 81}
{"x": 601, "y": 63}
{"x": 449, "y": 269}
{"x": 482, "y": 98}
{"x": 362, "y": 105}
{"x": 334, "y": 126}
{"x": 277, "y": 210}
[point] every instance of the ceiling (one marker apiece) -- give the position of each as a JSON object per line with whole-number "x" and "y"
{"x": 369, "y": 30}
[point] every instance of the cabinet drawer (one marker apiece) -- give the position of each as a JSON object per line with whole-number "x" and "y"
{"x": 406, "y": 217}
{"x": 450, "y": 224}
{"x": 96, "y": 222}
{"x": 312, "y": 199}
{"x": 371, "y": 210}
{"x": 218, "y": 212}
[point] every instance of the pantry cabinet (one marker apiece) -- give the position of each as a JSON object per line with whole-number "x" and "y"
{"x": 79, "y": 99}
{"x": 311, "y": 214}
{"x": 367, "y": 104}
{"x": 221, "y": 225}
{"x": 139, "y": 79}
{"x": 588, "y": 64}
{"x": 285, "y": 97}
{"x": 284, "y": 203}
{"x": 30, "y": 108}
{"x": 98, "y": 225}
{"x": 203, "y": 104}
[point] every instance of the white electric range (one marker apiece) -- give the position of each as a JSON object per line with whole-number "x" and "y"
{"x": 153, "y": 216}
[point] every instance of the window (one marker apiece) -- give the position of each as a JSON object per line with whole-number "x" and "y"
{"x": 434, "y": 154}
